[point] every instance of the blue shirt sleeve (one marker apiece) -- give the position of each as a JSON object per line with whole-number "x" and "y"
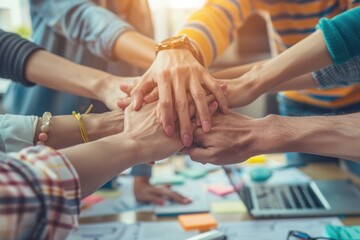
{"x": 143, "y": 170}
{"x": 82, "y": 22}
{"x": 341, "y": 34}
{"x": 16, "y": 132}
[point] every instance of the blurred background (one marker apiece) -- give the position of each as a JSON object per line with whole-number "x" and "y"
{"x": 168, "y": 16}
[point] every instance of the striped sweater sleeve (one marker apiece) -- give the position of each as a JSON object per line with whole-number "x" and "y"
{"x": 212, "y": 28}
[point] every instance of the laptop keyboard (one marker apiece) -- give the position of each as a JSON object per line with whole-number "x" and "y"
{"x": 287, "y": 197}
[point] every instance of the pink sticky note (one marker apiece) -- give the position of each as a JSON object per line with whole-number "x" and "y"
{"x": 91, "y": 200}
{"x": 221, "y": 189}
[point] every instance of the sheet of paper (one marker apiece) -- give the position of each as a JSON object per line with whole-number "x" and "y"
{"x": 163, "y": 230}
{"x": 105, "y": 231}
{"x": 228, "y": 207}
{"x": 275, "y": 228}
{"x": 118, "y": 201}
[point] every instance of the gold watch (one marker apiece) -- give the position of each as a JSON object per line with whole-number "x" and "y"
{"x": 181, "y": 41}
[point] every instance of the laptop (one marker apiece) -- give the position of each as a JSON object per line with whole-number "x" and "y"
{"x": 312, "y": 199}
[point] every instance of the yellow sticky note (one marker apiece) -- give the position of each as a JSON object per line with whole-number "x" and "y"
{"x": 256, "y": 160}
{"x": 228, "y": 207}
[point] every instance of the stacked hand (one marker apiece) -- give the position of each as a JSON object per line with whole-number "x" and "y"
{"x": 173, "y": 75}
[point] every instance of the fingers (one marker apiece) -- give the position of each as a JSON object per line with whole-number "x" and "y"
{"x": 167, "y": 193}
{"x": 219, "y": 94}
{"x": 199, "y": 97}
{"x": 126, "y": 88}
{"x": 182, "y": 110}
{"x": 152, "y": 97}
{"x": 123, "y": 103}
{"x": 199, "y": 154}
{"x": 138, "y": 93}
{"x": 166, "y": 107}
{"x": 154, "y": 198}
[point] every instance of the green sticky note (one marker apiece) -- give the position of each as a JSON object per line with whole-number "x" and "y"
{"x": 169, "y": 179}
{"x": 193, "y": 173}
{"x": 228, "y": 207}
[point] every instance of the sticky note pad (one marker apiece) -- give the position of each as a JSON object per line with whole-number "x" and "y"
{"x": 256, "y": 160}
{"x": 221, "y": 189}
{"x": 169, "y": 179}
{"x": 228, "y": 207}
{"x": 193, "y": 173}
{"x": 201, "y": 222}
{"x": 91, "y": 200}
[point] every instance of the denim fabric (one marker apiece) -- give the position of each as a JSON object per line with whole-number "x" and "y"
{"x": 288, "y": 107}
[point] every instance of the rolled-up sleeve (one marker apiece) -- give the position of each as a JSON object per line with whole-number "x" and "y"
{"x": 17, "y": 132}
{"x": 39, "y": 195}
{"x": 82, "y": 22}
{"x": 339, "y": 74}
{"x": 342, "y": 35}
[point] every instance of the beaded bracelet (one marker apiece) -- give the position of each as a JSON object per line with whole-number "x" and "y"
{"x": 78, "y": 117}
{"x": 44, "y": 129}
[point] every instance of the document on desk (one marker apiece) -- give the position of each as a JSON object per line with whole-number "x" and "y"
{"x": 193, "y": 189}
{"x": 105, "y": 231}
{"x": 275, "y": 228}
{"x": 163, "y": 230}
{"x": 125, "y": 201}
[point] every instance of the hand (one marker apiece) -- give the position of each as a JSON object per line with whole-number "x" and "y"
{"x": 145, "y": 192}
{"x": 245, "y": 89}
{"x": 175, "y": 72}
{"x": 110, "y": 93}
{"x": 233, "y": 139}
{"x": 144, "y": 128}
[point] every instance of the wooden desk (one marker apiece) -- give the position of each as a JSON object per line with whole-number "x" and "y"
{"x": 315, "y": 171}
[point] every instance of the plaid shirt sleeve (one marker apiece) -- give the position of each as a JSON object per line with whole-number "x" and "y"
{"x": 39, "y": 195}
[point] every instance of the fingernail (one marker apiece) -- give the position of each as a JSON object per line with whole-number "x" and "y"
{"x": 169, "y": 130}
{"x": 186, "y": 201}
{"x": 187, "y": 140}
{"x": 206, "y": 125}
{"x": 223, "y": 86}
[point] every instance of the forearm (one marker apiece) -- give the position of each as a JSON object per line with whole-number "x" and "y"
{"x": 65, "y": 131}
{"x": 323, "y": 135}
{"x": 70, "y": 77}
{"x": 236, "y": 72}
{"x": 118, "y": 152}
{"x": 308, "y": 55}
{"x": 135, "y": 48}
{"x": 305, "y": 81}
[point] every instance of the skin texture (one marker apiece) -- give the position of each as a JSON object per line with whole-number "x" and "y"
{"x": 121, "y": 151}
{"x": 74, "y": 78}
{"x": 235, "y": 137}
{"x": 176, "y": 72}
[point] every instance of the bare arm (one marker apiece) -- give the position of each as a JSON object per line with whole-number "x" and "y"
{"x": 65, "y": 131}
{"x": 58, "y": 73}
{"x": 323, "y": 135}
{"x": 235, "y": 137}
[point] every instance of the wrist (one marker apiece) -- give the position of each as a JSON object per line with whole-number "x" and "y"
{"x": 103, "y": 125}
{"x": 272, "y": 134}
